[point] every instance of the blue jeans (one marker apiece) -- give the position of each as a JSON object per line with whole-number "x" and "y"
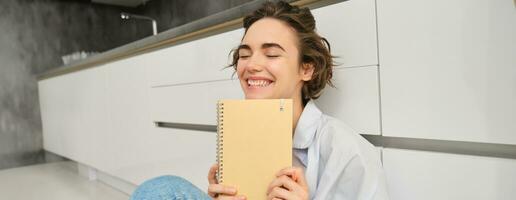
{"x": 168, "y": 188}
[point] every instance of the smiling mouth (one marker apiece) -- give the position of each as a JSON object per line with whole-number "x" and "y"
{"x": 258, "y": 83}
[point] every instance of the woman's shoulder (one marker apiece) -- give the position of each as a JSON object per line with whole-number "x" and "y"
{"x": 335, "y": 136}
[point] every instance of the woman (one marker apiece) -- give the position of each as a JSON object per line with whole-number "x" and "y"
{"x": 282, "y": 56}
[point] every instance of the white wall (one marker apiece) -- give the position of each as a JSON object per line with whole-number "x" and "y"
{"x": 430, "y": 70}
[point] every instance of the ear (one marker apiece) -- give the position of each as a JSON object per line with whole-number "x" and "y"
{"x": 307, "y": 70}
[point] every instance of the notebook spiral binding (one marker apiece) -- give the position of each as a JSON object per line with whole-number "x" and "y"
{"x": 220, "y": 140}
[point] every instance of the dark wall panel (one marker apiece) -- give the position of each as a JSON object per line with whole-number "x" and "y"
{"x": 33, "y": 37}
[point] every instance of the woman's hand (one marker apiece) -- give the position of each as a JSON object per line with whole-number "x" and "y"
{"x": 290, "y": 184}
{"x": 219, "y": 191}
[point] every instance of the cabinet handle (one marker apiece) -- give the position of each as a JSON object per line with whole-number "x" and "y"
{"x": 194, "y": 127}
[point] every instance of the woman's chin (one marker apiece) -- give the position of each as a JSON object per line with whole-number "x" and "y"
{"x": 259, "y": 92}
{"x": 258, "y": 96}
{"x": 255, "y": 97}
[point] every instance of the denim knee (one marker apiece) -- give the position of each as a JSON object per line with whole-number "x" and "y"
{"x": 168, "y": 188}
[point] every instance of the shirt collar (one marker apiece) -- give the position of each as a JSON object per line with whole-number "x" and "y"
{"x": 306, "y": 126}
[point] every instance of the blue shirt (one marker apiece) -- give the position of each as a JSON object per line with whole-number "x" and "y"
{"x": 339, "y": 163}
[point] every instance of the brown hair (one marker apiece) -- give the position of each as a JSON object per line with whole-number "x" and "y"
{"x": 314, "y": 49}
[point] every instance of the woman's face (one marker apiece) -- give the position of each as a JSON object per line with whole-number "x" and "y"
{"x": 268, "y": 66}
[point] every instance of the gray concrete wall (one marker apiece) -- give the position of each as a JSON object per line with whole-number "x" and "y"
{"x": 173, "y": 13}
{"x": 34, "y": 34}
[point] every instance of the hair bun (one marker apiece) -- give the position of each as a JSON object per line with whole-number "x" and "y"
{"x": 308, "y": 21}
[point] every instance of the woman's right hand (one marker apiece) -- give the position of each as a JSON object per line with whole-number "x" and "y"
{"x": 219, "y": 191}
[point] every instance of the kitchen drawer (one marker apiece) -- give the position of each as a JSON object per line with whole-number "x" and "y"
{"x": 191, "y": 103}
{"x": 430, "y": 175}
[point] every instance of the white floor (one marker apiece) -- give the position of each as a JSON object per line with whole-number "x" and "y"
{"x": 55, "y": 181}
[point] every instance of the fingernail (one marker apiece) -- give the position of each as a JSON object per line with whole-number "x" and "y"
{"x": 241, "y": 198}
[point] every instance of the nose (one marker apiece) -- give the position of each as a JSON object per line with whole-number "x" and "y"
{"x": 255, "y": 64}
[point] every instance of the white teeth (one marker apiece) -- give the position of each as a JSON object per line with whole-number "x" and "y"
{"x": 259, "y": 83}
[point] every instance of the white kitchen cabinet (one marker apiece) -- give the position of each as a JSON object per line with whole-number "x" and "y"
{"x": 75, "y": 116}
{"x": 350, "y": 28}
{"x": 185, "y": 153}
{"x": 447, "y": 69}
{"x": 355, "y": 99}
{"x": 129, "y": 122}
{"x": 192, "y": 103}
{"x": 194, "y": 61}
{"x": 114, "y": 132}
{"x": 430, "y": 175}
{"x": 51, "y": 107}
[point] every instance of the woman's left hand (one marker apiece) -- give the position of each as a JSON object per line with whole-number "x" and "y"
{"x": 290, "y": 184}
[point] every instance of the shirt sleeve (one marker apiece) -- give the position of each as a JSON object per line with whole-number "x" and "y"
{"x": 348, "y": 174}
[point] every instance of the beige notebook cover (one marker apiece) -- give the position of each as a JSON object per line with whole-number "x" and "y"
{"x": 254, "y": 143}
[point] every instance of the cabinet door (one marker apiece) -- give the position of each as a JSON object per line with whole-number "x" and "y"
{"x": 430, "y": 175}
{"x": 355, "y": 99}
{"x": 129, "y": 122}
{"x": 52, "y": 110}
{"x": 75, "y": 115}
{"x": 192, "y": 103}
{"x": 194, "y": 61}
{"x": 167, "y": 151}
{"x": 447, "y": 69}
{"x": 350, "y": 28}
{"x": 138, "y": 150}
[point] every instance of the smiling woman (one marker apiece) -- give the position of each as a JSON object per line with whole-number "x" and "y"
{"x": 280, "y": 36}
{"x": 268, "y": 64}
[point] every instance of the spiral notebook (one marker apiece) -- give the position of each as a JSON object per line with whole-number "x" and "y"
{"x": 254, "y": 142}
